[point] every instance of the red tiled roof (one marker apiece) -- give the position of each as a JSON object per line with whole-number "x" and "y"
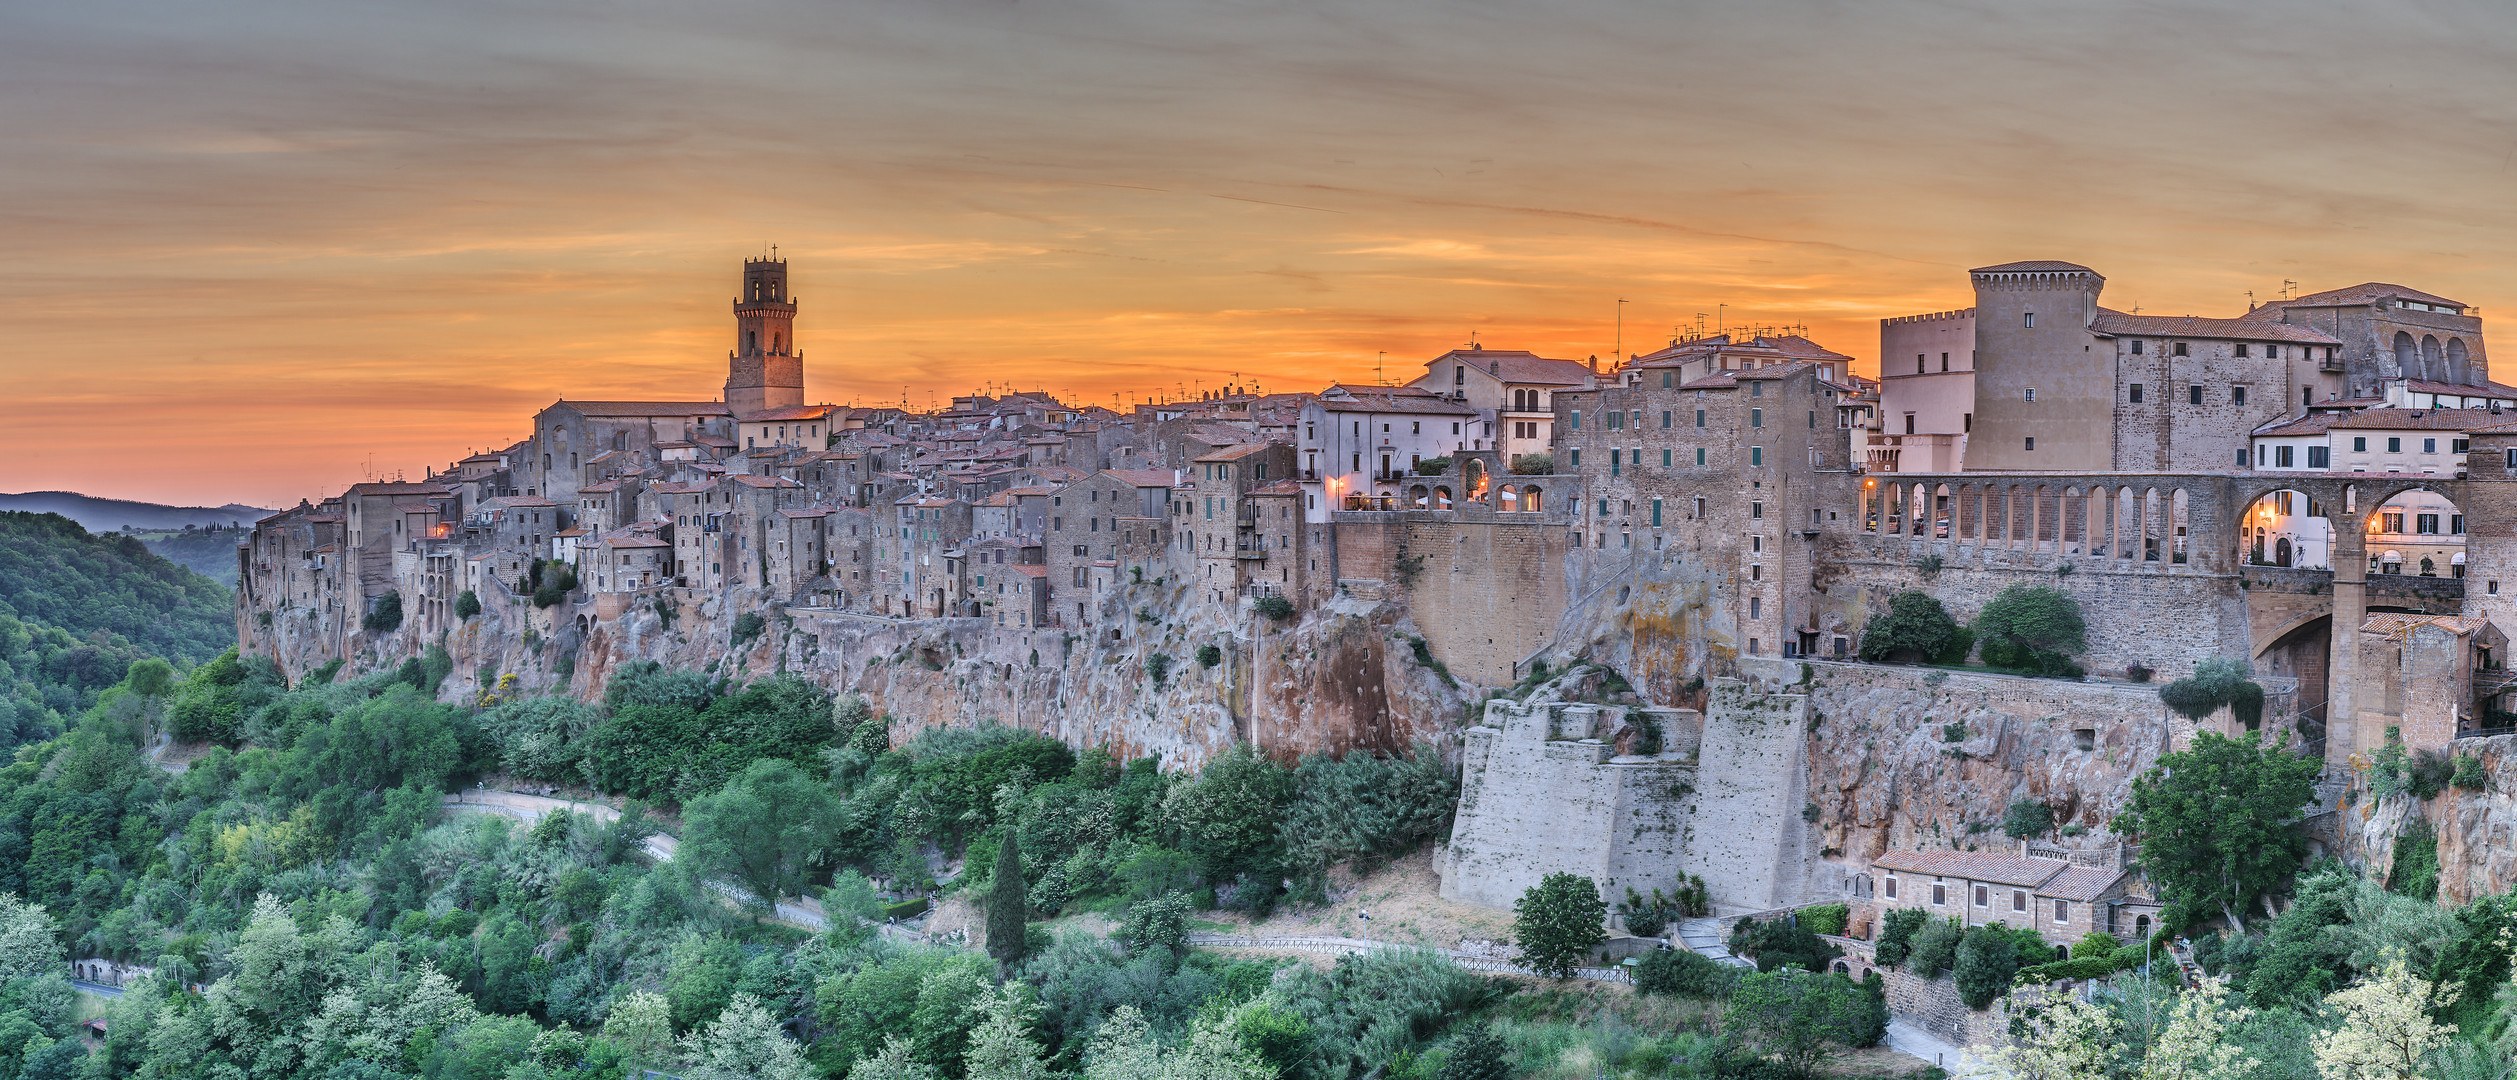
{"x": 2366, "y": 292}
{"x": 1983, "y": 866}
{"x": 2422, "y": 419}
{"x": 2082, "y": 883}
{"x": 644, "y": 408}
{"x": 792, "y": 412}
{"x": 2491, "y": 390}
{"x": 1280, "y": 487}
{"x": 2120, "y": 324}
{"x": 1144, "y": 478}
{"x": 1234, "y": 452}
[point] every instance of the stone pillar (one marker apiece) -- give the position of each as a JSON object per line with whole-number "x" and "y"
{"x": 2350, "y": 607}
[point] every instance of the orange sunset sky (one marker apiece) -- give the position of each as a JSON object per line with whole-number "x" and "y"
{"x": 251, "y": 250}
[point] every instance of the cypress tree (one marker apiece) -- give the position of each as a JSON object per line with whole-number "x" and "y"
{"x": 1006, "y": 897}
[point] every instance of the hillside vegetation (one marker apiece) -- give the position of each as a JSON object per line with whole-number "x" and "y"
{"x": 77, "y": 610}
{"x": 209, "y": 552}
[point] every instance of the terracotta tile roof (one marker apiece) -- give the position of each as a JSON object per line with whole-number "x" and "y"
{"x": 2310, "y": 424}
{"x": 2083, "y": 883}
{"x": 2421, "y": 419}
{"x": 398, "y": 487}
{"x": 2424, "y": 386}
{"x": 644, "y": 408}
{"x": 1280, "y": 487}
{"x": 2353, "y": 296}
{"x": 1418, "y": 403}
{"x": 792, "y": 412}
{"x": 507, "y": 502}
{"x": 2032, "y": 266}
{"x": 415, "y": 507}
{"x": 808, "y": 512}
{"x": 2120, "y": 324}
{"x": 570, "y": 532}
{"x": 2398, "y": 626}
{"x": 633, "y": 542}
{"x": 1985, "y": 866}
{"x": 751, "y": 480}
{"x": 1517, "y": 366}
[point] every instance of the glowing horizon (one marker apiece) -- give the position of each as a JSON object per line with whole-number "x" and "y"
{"x": 249, "y": 251}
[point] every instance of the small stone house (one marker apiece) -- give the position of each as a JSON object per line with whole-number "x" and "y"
{"x": 2063, "y": 895}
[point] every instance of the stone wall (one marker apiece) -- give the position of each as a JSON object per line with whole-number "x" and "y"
{"x": 1933, "y": 1005}
{"x": 1544, "y": 790}
{"x": 1488, "y": 592}
{"x": 1748, "y": 837}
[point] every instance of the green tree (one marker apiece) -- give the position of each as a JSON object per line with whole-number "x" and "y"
{"x": 743, "y": 1043}
{"x": 1159, "y": 925}
{"x": 1001, "y": 1047}
{"x": 467, "y": 604}
{"x": 1476, "y": 1054}
{"x": 1007, "y": 901}
{"x": 1915, "y": 627}
{"x": 1558, "y": 922}
{"x": 1798, "y": 1016}
{"x": 2217, "y": 822}
{"x": 2216, "y": 681}
{"x": 769, "y": 829}
{"x": 385, "y": 615}
{"x": 1226, "y": 818}
{"x": 2026, "y": 818}
{"x": 1988, "y": 956}
{"x": 2031, "y": 626}
{"x": 1896, "y": 934}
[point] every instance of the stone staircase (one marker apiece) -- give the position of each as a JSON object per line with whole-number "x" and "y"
{"x": 1704, "y": 937}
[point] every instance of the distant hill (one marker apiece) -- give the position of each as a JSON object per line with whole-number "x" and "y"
{"x": 209, "y": 552}
{"x": 114, "y": 515}
{"x": 77, "y": 608}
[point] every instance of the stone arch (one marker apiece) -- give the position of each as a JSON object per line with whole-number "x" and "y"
{"x": 2179, "y": 516}
{"x": 1416, "y": 497}
{"x": 2075, "y": 523}
{"x": 1441, "y": 498}
{"x": 1507, "y": 499}
{"x": 2433, "y": 360}
{"x": 1944, "y": 513}
{"x": 2276, "y": 528}
{"x": 1531, "y": 501}
{"x": 2152, "y": 527}
{"x": 2407, "y": 356}
{"x": 1920, "y": 510}
{"x": 2459, "y": 362}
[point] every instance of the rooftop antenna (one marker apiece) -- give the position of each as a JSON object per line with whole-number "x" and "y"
{"x": 2289, "y": 289}
{"x": 1377, "y": 380}
{"x": 1718, "y": 309}
{"x": 1621, "y": 326}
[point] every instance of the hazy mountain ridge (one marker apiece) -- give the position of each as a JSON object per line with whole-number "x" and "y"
{"x": 99, "y": 515}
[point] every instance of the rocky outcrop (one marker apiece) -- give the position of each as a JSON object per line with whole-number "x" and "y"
{"x": 1343, "y": 677}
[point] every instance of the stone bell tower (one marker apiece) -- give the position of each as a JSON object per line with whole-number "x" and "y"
{"x": 765, "y": 370}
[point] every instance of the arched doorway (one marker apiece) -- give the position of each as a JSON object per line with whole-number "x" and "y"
{"x": 2287, "y": 528}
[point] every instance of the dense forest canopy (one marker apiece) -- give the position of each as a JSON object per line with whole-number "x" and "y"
{"x": 77, "y": 610}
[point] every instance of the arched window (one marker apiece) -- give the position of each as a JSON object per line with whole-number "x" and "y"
{"x": 2433, "y": 360}
{"x": 1529, "y": 500}
{"x": 1508, "y": 499}
{"x": 2459, "y": 362}
{"x": 2407, "y": 357}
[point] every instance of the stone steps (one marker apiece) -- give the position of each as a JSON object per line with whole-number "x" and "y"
{"x": 1704, "y": 938}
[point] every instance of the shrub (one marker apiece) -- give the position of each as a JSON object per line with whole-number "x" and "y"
{"x": 1988, "y": 957}
{"x": 1433, "y": 466}
{"x": 1558, "y": 922}
{"x": 1158, "y": 668}
{"x": 553, "y": 584}
{"x": 1896, "y": 934}
{"x": 2042, "y": 620}
{"x": 1933, "y": 947}
{"x": 385, "y": 616}
{"x": 1476, "y": 1054}
{"x": 1829, "y": 919}
{"x": 2216, "y": 682}
{"x": 1915, "y": 626}
{"x": 1364, "y": 807}
{"x": 1209, "y": 656}
{"x": 1273, "y": 606}
{"x": 2428, "y": 772}
{"x": 2026, "y": 818}
{"x": 467, "y": 604}
{"x": 1780, "y": 943}
{"x": 1680, "y": 973}
{"x": 1533, "y": 464}
{"x": 2415, "y": 869}
{"x": 2078, "y": 967}
{"x": 2100, "y": 946}
{"x": 747, "y": 626}
{"x": 1647, "y": 918}
{"x": 2469, "y": 775}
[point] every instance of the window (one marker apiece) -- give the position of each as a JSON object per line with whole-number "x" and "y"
{"x": 1577, "y": 457}
{"x": 1616, "y": 463}
{"x": 1756, "y": 607}
{"x": 1918, "y": 363}
{"x": 1575, "y": 420}
{"x": 1756, "y": 418}
{"x": 1699, "y": 418}
{"x": 1667, "y": 379}
{"x": 2136, "y": 348}
{"x": 1699, "y": 455}
{"x": 1939, "y": 893}
{"x": 2031, "y": 320}
{"x": 1756, "y": 457}
{"x": 2062, "y": 911}
{"x": 2193, "y": 394}
{"x": 2429, "y": 446}
{"x": 2031, "y": 442}
{"x": 1892, "y": 887}
{"x": 2134, "y": 393}
{"x": 2394, "y": 444}
{"x": 2180, "y": 348}
{"x": 2319, "y": 457}
{"x": 1944, "y": 361}
{"x": 1756, "y": 509}
{"x": 1756, "y": 389}
{"x": 2237, "y": 395}
{"x": 2425, "y": 524}
{"x": 2281, "y": 456}
{"x": 2456, "y": 524}
{"x": 2018, "y": 899}
{"x": 1699, "y": 508}
{"x": 1665, "y": 456}
{"x": 1665, "y": 417}
{"x": 2241, "y": 350}
{"x": 1983, "y": 896}
{"x": 2028, "y": 394}
{"x": 2359, "y": 445}
{"x": 1656, "y": 513}
{"x": 2241, "y": 457}
{"x": 2392, "y": 523}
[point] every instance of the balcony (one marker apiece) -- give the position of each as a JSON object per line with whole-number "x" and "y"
{"x": 1258, "y": 553}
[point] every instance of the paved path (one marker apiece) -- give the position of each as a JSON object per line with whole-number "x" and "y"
{"x": 1912, "y": 1041}
{"x": 98, "y": 989}
{"x": 801, "y": 912}
{"x": 1704, "y": 937}
{"x": 1346, "y": 946}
